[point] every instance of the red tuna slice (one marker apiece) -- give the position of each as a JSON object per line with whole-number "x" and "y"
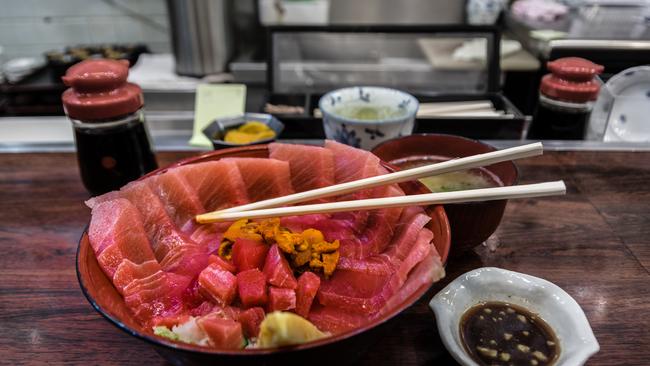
{"x": 224, "y": 264}
{"x": 209, "y": 235}
{"x": 248, "y": 254}
{"x": 277, "y": 270}
{"x": 264, "y": 178}
{"x": 223, "y": 333}
{"x": 378, "y": 231}
{"x": 308, "y": 284}
{"x": 250, "y": 320}
{"x": 311, "y": 166}
{"x": 303, "y": 222}
{"x": 281, "y": 299}
{"x": 411, "y": 223}
{"x": 351, "y": 163}
{"x": 351, "y": 297}
{"x": 161, "y": 231}
{"x": 117, "y": 222}
{"x": 219, "y": 184}
{"x": 204, "y": 308}
{"x": 128, "y": 272}
{"x": 335, "y": 321}
{"x": 251, "y": 285}
{"x": 116, "y": 233}
{"x": 218, "y": 284}
{"x": 427, "y": 271}
{"x": 156, "y": 296}
{"x": 187, "y": 260}
{"x": 179, "y": 198}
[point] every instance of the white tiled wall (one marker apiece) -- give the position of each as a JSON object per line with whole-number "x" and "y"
{"x": 31, "y": 27}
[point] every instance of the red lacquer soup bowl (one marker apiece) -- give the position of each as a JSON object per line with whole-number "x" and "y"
{"x": 341, "y": 348}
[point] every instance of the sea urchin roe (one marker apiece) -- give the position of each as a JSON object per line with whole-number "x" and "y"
{"x": 514, "y": 337}
{"x": 249, "y": 132}
{"x": 306, "y": 251}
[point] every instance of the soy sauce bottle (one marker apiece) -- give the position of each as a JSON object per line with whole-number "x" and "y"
{"x": 566, "y": 98}
{"x": 113, "y": 146}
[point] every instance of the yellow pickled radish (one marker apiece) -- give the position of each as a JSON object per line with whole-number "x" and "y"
{"x": 282, "y": 329}
{"x": 248, "y": 133}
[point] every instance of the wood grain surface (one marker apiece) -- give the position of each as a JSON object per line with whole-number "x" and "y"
{"x": 594, "y": 243}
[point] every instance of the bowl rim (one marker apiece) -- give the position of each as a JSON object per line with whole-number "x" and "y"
{"x": 587, "y": 344}
{"x": 362, "y": 122}
{"x": 200, "y": 350}
{"x": 467, "y": 139}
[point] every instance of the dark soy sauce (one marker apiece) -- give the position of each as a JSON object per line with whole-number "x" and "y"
{"x": 110, "y": 157}
{"x": 497, "y": 333}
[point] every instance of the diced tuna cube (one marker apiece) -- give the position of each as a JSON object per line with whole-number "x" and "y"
{"x": 277, "y": 269}
{"x": 252, "y": 288}
{"x": 250, "y": 320}
{"x": 281, "y": 299}
{"x": 224, "y": 264}
{"x": 308, "y": 284}
{"x": 218, "y": 284}
{"x": 248, "y": 254}
{"x": 222, "y": 332}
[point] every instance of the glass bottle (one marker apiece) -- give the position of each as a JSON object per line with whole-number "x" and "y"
{"x": 107, "y": 115}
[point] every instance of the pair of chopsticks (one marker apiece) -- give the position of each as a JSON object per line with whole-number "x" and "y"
{"x": 271, "y": 207}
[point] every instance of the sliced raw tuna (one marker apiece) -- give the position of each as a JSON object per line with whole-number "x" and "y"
{"x": 264, "y": 178}
{"x": 204, "y": 308}
{"x": 250, "y": 320}
{"x": 218, "y": 284}
{"x": 224, "y": 264}
{"x": 348, "y": 291}
{"x": 179, "y": 198}
{"x": 277, "y": 270}
{"x": 128, "y": 272}
{"x": 311, "y": 166}
{"x": 352, "y": 164}
{"x": 335, "y": 321}
{"x": 116, "y": 233}
{"x": 156, "y": 296}
{"x": 251, "y": 285}
{"x": 187, "y": 259}
{"x": 219, "y": 184}
{"x": 308, "y": 284}
{"x": 281, "y": 299}
{"x": 248, "y": 254}
{"x": 223, "y": 333}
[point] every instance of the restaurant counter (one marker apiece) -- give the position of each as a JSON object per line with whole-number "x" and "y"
{"x": 594, "y": 243}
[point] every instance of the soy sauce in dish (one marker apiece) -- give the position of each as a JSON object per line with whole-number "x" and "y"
{"x": 498, "y": 333}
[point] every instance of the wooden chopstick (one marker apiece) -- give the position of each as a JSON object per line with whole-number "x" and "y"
{"x": 474, "y": 195}
{"x": 469, "y": 162}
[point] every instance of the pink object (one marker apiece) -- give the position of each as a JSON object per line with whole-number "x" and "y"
{"x": 281, "y": 299}
{"x": 128, "y": 272}
{"x": 264, "y": 178}
{"x": 277, "y": 270}
{"x": 223, "y": 333}
{"x": 543, "y": 10}
{"x": 248, "y": 254}
{"x": 224, "y": 264}
{"x": 252, "y": 288}
{"x": 303, "y": 162}
{"x": 218, "y": 284}
{"x": 250, "y": 320}
{"x": 308, "y": 284}
{"x": 156, "y": 296}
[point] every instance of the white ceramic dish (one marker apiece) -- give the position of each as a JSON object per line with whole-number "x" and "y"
{"x": 559, "y": 310}
{"x": 620, "y": 111}
{"x": 367, "y": 133}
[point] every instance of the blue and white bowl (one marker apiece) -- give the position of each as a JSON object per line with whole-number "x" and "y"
{"x": 366, "y": 133}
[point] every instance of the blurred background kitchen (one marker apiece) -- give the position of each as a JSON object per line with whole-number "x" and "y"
{"x": 475, "y": 65}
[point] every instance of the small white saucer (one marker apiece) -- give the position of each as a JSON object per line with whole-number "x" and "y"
{"x": 559, "y": 310}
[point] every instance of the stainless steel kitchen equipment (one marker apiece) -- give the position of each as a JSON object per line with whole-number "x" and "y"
{"x": 201, "y": 35}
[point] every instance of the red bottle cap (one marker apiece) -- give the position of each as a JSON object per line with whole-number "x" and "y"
{"x": 98, "y": 90}
{"x": 571, "y": 80}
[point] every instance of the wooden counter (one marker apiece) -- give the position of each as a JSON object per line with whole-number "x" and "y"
{"x": 594, "y": 243}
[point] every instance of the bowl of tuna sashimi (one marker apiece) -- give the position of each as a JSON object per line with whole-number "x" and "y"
{"x": 275, "y": 291}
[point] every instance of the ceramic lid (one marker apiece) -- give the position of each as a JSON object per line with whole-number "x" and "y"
{"x": 571, "y": 80}
{"x": 99, "y": 90}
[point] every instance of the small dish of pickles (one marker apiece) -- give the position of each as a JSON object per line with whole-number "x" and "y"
{"x": 242, "y": 130}
{"x": 492, "y": 316}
